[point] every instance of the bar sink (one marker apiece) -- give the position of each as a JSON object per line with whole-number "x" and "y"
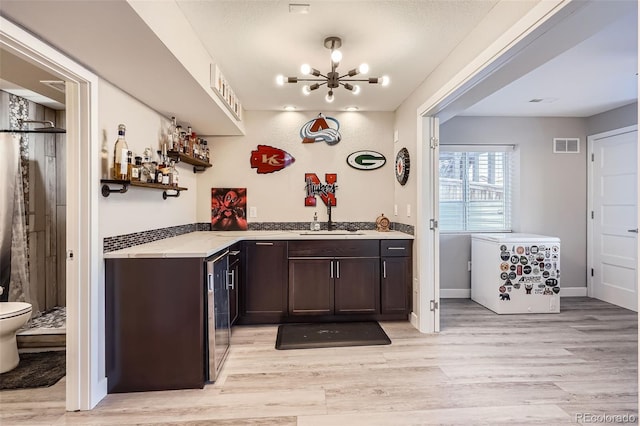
{"x": 331, "y": 233}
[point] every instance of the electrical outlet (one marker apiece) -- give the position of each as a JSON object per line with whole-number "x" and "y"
{"x": 253, "y": 211}
{"x": 408, "y": 210}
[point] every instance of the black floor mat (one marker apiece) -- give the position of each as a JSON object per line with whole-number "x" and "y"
{"x": 327, "y": 335}
{"x": 35, "y": 370}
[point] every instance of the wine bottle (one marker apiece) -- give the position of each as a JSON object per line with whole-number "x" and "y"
{"x": 120, "y": 154}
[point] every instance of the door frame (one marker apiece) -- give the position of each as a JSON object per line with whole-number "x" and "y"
{"x": 591, "y": 140}
{"x": 86, "y": 382}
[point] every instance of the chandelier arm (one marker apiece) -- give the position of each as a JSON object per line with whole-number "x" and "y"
{"x": 355, "y": 79}
{"x": 313, "y": 79}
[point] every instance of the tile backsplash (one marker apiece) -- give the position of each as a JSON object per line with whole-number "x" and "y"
{"x": 119, "y": 242}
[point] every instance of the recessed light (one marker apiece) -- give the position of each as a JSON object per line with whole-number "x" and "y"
{"x": 289, "y": 108}
{"x": 352, "y": 108}
{"x": 300, "y": 8}
{"x": 543, "y": 100}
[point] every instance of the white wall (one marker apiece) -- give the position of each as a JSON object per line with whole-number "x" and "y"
{"x": 552, "y": 195}
{"x": 279, "y": 196}
{"x": 139, "y": 209}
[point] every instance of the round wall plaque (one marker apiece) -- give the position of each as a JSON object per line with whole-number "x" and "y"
{"x": 402, "y": 166}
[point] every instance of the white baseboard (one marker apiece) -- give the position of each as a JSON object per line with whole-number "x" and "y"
{"x": 573, "y": 291}
{"x": 465, "y": 293}
{"x": 455, "y": 293}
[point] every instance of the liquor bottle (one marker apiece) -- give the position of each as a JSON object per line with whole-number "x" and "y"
{"x": 188, "y": 145}
{"x": 170, "y": 132}
{"x": 177, "y": 136}
{"x": 205, "y": 149}
{"x": 136, "y": 171}
{"x": 129, "y": 164}
{"x": 195, "y": 151}
{"x": 175, "y": 178}
{"x": 120, "y": 153}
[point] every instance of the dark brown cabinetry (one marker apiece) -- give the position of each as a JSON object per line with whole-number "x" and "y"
{"x": 264, "y": 289}
{"x": 396, "y": 264}
{"x": 154, "y": 324}
{"x": 334, "y": 278}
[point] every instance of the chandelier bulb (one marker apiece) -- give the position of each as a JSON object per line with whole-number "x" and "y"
{"x": 306, "y": 90}
{"x": 280, "y": 80}
{"x": 384, "y": 80}
{"x": 329, "y": 98}
{"x": 356, "y": 89}
{"x": 363, "y": 68}
{"x": 336, "y": 56}
{"x": 305, "y": 69}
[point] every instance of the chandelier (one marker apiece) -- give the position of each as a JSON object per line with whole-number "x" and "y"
{"x": 332, "y": 79}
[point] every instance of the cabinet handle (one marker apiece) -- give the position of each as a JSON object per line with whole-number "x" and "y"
{"x": 210, "y": 282}
{"x": 264, "y": 244}
{"x": 384, "y": 269}
{"x": 331, "y": 269}
{"x": 395, "y": 248}
{"x": 337, "y": 269}
{"x": 231, "y": 279}
{"x": 234, "y": 252}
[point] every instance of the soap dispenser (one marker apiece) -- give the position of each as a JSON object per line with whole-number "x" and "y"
{"x": 315, "y": 225}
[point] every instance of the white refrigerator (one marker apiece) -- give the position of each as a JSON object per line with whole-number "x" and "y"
{"x": 516, "y": 273}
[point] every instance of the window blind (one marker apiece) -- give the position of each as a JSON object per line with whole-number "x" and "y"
{"x": 475, "y": 188}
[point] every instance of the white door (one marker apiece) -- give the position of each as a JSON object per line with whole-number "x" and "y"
{"x": 614, "y": 231}
{"x": 427, "y": 234}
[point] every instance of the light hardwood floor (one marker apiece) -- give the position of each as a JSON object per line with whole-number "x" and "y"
{"x": 483, "y": 368}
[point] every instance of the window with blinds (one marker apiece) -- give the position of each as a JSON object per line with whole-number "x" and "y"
{"x": 475, "y": 188}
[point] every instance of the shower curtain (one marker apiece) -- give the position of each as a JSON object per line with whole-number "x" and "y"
{"x": 14, "y": 270}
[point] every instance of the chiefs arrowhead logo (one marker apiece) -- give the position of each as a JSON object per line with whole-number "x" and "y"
{"x": 267, "y": 159}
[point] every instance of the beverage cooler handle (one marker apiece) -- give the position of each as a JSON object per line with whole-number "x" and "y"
{"x": 210, "y": 282}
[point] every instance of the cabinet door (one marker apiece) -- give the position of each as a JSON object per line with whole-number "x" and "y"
{"x": 265, "y": 285}
{"x": 396, "y": 285}
{"x": 357, "y": 285}
{"x": 310, "y": 287}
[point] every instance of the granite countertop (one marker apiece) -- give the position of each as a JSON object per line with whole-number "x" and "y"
{"x": 207, "y": 243}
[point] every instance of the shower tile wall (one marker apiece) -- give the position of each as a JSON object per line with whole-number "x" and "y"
{"x": 45, "y": 198}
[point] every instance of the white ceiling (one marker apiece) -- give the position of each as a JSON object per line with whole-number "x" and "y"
{"x": 253, "y": 41}
{"x": 256, "y": 40}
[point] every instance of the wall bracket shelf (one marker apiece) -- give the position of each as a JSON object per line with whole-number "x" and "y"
{"x": 198, "y": 165}
{"x": 168, "y": 191}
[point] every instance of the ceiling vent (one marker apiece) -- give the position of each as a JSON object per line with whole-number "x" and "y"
{"x": 566, "y": 145}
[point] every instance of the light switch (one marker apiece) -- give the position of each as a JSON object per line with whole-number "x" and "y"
{"x": 253, "y": 211}
{"x": 408, "y": 210}
{"x": 395, "y": 210}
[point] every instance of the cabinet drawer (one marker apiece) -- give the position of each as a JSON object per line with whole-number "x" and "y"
{"x": 334, "y": 248}
{"x": 395, "y": 248}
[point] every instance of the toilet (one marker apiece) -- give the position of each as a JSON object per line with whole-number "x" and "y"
{"x": 13, "y": 315}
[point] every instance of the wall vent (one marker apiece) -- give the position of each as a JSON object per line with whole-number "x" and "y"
{"x": 566, "y": 145}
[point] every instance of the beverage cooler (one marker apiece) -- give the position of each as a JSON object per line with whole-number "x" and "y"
{"x": 218, "y": 327}
{"x": 516, "y": 273}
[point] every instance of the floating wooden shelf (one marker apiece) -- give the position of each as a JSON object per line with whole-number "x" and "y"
{"x": 106, "y": 189}
{"x": 198, "y": 165}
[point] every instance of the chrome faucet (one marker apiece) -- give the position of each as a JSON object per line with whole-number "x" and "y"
{"x": 329, "y": 223}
